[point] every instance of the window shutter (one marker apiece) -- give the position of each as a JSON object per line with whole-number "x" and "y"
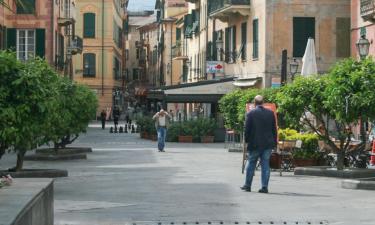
{"x": 11, "y": 39}
{"x": 89, "y": 25}
{"x": 243, "y": 40}
{"x": 209, "y": 51}
{"x": 234, "y": 53}
{"x": 178, "y": 34}
{"x": 226, "y": 44}
{"x": 40, "y": 43}
{"x": 343, "y": 37}
{"x": 255, "y": 39}
{"x": 303, "y": 28}
{"x": 90, "y": 59}
{"x": 214, "y": 49}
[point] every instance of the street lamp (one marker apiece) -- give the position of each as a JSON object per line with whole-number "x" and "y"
{"x": 293, "y": 67}
{"x": 363, "y": 46}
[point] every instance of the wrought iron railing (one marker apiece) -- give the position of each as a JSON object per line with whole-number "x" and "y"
{"x": 367, "y": 8}
{"x": 220, "y": 4}
{"x": 59, "y": 62}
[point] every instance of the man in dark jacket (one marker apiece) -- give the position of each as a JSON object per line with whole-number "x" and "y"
{"x": 261, "y": 138}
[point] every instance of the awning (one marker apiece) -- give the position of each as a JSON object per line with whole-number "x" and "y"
{"x": 246, "y": 82}
{"x": 140, "y": 91}
{"x": 200, "y": 92}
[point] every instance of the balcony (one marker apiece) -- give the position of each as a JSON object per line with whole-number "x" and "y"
{"x": 368, "y": 10}
{"x": 76, "y": 46}
{"x": 178, "y": 52}
{"x": 226, "y": 9}
{"x": 59, "y": 62}
{"x": 67, "y": 16}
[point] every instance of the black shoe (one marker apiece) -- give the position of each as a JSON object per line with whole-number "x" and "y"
{"x": 263, "y": 190}
{"x": 246, "y": 188}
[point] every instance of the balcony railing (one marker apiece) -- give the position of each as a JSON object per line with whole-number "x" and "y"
{"x": 220, "y": 4}
{"x": 76, "y": 46}
{"x": 68, "y": 14}
{"x": 368, "y": 9}
{"x": 59, "y": 62}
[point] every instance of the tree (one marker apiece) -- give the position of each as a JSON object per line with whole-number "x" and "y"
{"x": 344, "y": 96}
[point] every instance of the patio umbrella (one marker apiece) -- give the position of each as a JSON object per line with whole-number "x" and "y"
{"x": 309, "y": 66}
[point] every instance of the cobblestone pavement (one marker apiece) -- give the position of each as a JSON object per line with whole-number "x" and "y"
{"x": 125, "y": 181}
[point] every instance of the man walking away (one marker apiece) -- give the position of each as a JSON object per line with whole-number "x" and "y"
{"x": 103, "y": 116}
{"x": 161, "y": 122}
{"x": 261, "y": 138}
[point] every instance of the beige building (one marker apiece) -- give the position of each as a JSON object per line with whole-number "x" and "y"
{"x": 100, "y": 66}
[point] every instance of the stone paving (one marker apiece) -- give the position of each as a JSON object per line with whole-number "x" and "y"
{"x": 125, "y": 180}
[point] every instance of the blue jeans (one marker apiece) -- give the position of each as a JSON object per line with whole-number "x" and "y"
{"x": 253, "y": 157}
{"x": 162, "y": 133}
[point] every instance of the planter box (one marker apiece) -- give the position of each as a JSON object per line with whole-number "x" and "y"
{"x": 304, "y": 162}
{"x": 185, "y": 139}
{"x": 207, "y": 139}
{"x": 275, "y": 161}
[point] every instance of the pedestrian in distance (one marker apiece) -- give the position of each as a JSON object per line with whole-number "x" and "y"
{"x": 261, "y": 138}
{"x": 161, "y": 119}
{"x": 116, "y": 116}
{"x": 103, "y": 116}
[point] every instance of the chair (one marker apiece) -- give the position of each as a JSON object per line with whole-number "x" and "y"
{"x": 285, "y": 149}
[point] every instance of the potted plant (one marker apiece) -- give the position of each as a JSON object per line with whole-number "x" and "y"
{"x": 305, "y": 157}
{"x": 207, "y": 128}
{"x": 185, "y": 134}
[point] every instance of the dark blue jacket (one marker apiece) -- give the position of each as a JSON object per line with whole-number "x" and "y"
{"x": 260, "y": 129}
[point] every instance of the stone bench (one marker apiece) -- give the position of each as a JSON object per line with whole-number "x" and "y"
{"x": 27, "y": 202}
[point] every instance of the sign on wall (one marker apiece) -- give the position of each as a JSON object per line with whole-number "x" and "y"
{"x": 215, "y": 67}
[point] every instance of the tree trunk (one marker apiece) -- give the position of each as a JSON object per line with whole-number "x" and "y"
{"x": 340, "y": 159}
{"x": 20, "y": 159}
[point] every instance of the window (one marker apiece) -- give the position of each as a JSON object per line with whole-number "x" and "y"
{"x": 135, "y": 74}
{"x": 138, "y": 53}
{"x": 243, "y": 40}
{"x": 117, "y": 34}
{"x": 89, "y": 25}
{"x": 89, "y": 65}
{"x": 2, "y": 37}
{"x": 178, "y": 34}
{"x": 116, "y": 68}
{"x": 343, "y": 37}
{"x": 25, "y": 44}
{"x": 230, "y": 44}
{"x": 126, "y": 54}
{"x": 255, "y": 39}
{"x": 303, "y": 29}
{"x": 25, "y": 7}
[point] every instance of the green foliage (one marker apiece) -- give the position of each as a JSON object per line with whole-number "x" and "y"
{"x": 345, "y": 96}
{"x": 306, "y": 154}
{"x": 146, "y": 124}
{"x": 232, "y": 105}
{"x": 38, "y": 106}
{"x": 196, "y": 128}
{"x": 309, "y": 140}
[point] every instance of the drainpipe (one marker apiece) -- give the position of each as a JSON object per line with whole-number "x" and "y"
{"x": 171, "y": 63}
{"x": 52, "y": 29}
{"x": 102, "y": 47}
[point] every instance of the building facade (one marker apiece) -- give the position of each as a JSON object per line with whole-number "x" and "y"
{"x": 41, "y": 28}
{"x": 362, "y": 24}
{"x": 100, "y": 24}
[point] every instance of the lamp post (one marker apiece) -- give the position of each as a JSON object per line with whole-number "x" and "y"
{"x": 293, "y": 68}
{"x": 363, "y": 47}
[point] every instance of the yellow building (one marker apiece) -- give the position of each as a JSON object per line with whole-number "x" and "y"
{"x": 100, "y": 24}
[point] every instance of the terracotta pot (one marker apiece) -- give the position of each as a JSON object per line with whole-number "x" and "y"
{"x": 304, "y": 162}
{"x": 185, "y": 139}
{"x": 275, "y": 161}
{"x": 207, "y": 139}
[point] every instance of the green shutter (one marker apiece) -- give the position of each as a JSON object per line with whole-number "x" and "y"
{"x": 343, "y": 37}
{"x": 40, "y": 42}
{"x": 178, "y": 34}
{"x": 89, "y": 25}
{"x": 90, "y": 59}
{"x": 209, "y": 51}
{"x": 243, "y": 40}
{"x": 255, "y": 39}
{"x": 214, "y": 49}
{"x": 226, "y": 44}
{"x": 11, "y": 39}
{"x": 303, "y": 29}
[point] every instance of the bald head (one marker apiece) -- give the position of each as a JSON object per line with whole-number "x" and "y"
{"x": 258, "y": 100}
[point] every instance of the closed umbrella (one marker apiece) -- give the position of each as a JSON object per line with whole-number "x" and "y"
{"x": 309, "y": 66}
